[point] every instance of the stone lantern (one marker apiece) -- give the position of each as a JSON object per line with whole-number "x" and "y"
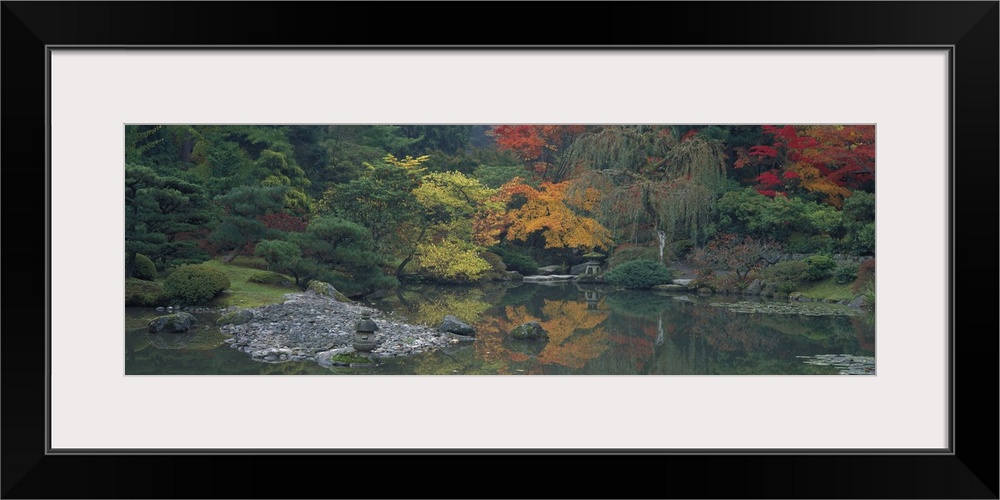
{"x": 364, "y": 333}
{"x": 592, "y": 267}
{"x": 592, "y": 297}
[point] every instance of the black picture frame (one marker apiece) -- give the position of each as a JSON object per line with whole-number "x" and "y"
{"x": 969, "y": 470}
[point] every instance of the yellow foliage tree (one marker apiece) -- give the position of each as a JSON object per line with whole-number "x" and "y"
{"x": 452, "y": 261}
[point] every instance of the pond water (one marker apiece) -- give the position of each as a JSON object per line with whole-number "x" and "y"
{"x": 593, "y": 330}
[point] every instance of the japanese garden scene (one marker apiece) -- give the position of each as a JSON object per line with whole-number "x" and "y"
{"x": 499, "y": 249}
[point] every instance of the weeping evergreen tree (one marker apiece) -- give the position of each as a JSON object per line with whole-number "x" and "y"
{"x": 242, "y": 226}
{"x": 158, "y": 209}
{"x": 331, "y": 249}
{"x": 655, "y": 186}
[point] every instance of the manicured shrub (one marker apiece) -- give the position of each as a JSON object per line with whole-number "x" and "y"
{"x": 859, "y": 219}
{"x": 145, "y": 269}
{"x": 789, "y": 270}
{"x": 819, "y": 267}
{"x": 194, "y": 284}
{"x": 845, "y": 273}
{"x": 862, "y": 241}
{"x": 785, "y": 276}
{"x": 270, "y": 278}
{"x": 639, "y": 274}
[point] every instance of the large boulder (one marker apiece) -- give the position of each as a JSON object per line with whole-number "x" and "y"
{"x": 529, "y": 331}
{"x": 456, "y": 326}
{"x": 549, "y": 269}
{"x": 754, "y": 288}
{"x": 321, "y": 288}
{"x": 859, "y": 301}
{"x": 235, "y": 317}
{"x": 327, "y": 290}
{"x": 577, "y": 269}
{"x": 172, "y": 323}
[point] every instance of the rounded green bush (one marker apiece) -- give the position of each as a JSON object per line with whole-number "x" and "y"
{"x": 846, "y": 273}
{"x": 639, "y": 274}
{"x": 819, "y": 267}
{"x": 785, "y": 276}
{"x": 788, "y": 270}
{"x": 863, "y": 242}
{"x": 144, "y": 268}
{"x": 194, "y": 284}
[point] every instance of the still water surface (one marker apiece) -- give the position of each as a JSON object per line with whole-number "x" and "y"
{"x": 592, "y": 331}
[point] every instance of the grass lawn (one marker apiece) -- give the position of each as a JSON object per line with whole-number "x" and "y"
{"x": 241, "y": 291}
{"x": 828, "y": 289}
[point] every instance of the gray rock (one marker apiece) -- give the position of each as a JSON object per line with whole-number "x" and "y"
{"x": 859, "y": 301}
{"x": 549, "y": 269}
{"x": 754, "y": 288}
{"x": 455, "y": 338}
{"x": 321, "y": 288}
{"x": 577, "y": 269}
{"x": 682, "y": 282}
{"x": 172, "y": 323}
{"x": 529, "y": 331}
{"x": 454, "y": 325}
{"x": 237, "y": 317}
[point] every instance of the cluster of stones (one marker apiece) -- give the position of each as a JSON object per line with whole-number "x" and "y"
{"x": 316, "y": 326}
{"x": 846, "y": 364}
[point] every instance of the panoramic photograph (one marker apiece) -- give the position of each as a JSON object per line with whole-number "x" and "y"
{"x": 539, "y": 249}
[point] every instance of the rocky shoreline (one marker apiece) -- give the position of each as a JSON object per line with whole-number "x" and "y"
{"x": 846, "y": 364}
{"x": 316, "y": 327}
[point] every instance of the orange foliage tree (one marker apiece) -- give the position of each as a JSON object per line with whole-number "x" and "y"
{"x": 576, "y": 334}
{"x": 518, "y": 211}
